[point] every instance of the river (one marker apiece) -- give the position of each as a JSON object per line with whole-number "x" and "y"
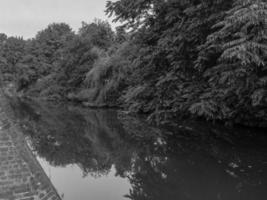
{"x": 107, "y": 155}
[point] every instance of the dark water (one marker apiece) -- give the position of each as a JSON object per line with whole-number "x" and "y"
{"x": 106, "y": 155}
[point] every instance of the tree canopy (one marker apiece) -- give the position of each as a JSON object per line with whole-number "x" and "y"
{"x": 169, "y": 59}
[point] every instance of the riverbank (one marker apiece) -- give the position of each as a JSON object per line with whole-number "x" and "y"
{"x": 21, "y": 176}
{"x": 99, "y": 145}
{"x": 190, "y": 127}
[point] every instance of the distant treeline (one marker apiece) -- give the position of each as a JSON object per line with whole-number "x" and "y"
{"x": 170, "y": 59}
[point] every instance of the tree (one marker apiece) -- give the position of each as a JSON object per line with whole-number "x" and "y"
{"x": 12, "y": 51}
{"x": 79, "y": 57}
{"x": 233, "y": 61}
{"x": 49, "y": 42}
{"x": 99, "y": 33}
{"x": 169, "y": 33}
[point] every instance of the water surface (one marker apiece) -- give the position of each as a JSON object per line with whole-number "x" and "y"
{"x": 107, "y": 155}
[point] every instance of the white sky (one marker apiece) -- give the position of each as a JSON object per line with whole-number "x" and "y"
{"x": 27, "y": 17}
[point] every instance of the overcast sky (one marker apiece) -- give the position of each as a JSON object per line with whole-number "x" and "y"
{"x": 27, "y": 17}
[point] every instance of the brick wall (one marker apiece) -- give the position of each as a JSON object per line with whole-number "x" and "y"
{"x": 21, "y": 176}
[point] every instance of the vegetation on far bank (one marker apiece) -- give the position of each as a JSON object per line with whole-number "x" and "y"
{"x": 170, "y": 59}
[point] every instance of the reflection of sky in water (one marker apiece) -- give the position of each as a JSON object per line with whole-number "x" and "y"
{"x": 69, "y": 181}
{"x": 189, "y": 165}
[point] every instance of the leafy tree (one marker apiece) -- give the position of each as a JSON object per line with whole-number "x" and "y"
{"x": 99, "y": 33}
{"x": 79, "y": 57}
{"x": 42, "y": 54}
{"x": 169, "y": 59}
{"x": 51, "y": 40}
{"x": 165, "y": 80}
{"x": 109, "y": 75}
{"x": 3, "y": 38}
{"x": 233, "y": 61}
{"x": 12, "y": 51}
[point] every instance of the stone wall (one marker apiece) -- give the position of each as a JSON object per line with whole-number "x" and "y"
{"x": 21, "y": 176}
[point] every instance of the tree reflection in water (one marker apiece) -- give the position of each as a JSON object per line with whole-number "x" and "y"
{"x": 158, "y": 167}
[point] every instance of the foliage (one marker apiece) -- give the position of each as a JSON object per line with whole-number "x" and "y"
{"x": 56, "y": 61}
{"x": 169, "y": 59}
{"x": 236, "y": 79}
{"x": 99, "y": 33}
{"x": 168, "y": 33}
{"x": 197, "y": 57}
{"x": 109, "y": 75}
